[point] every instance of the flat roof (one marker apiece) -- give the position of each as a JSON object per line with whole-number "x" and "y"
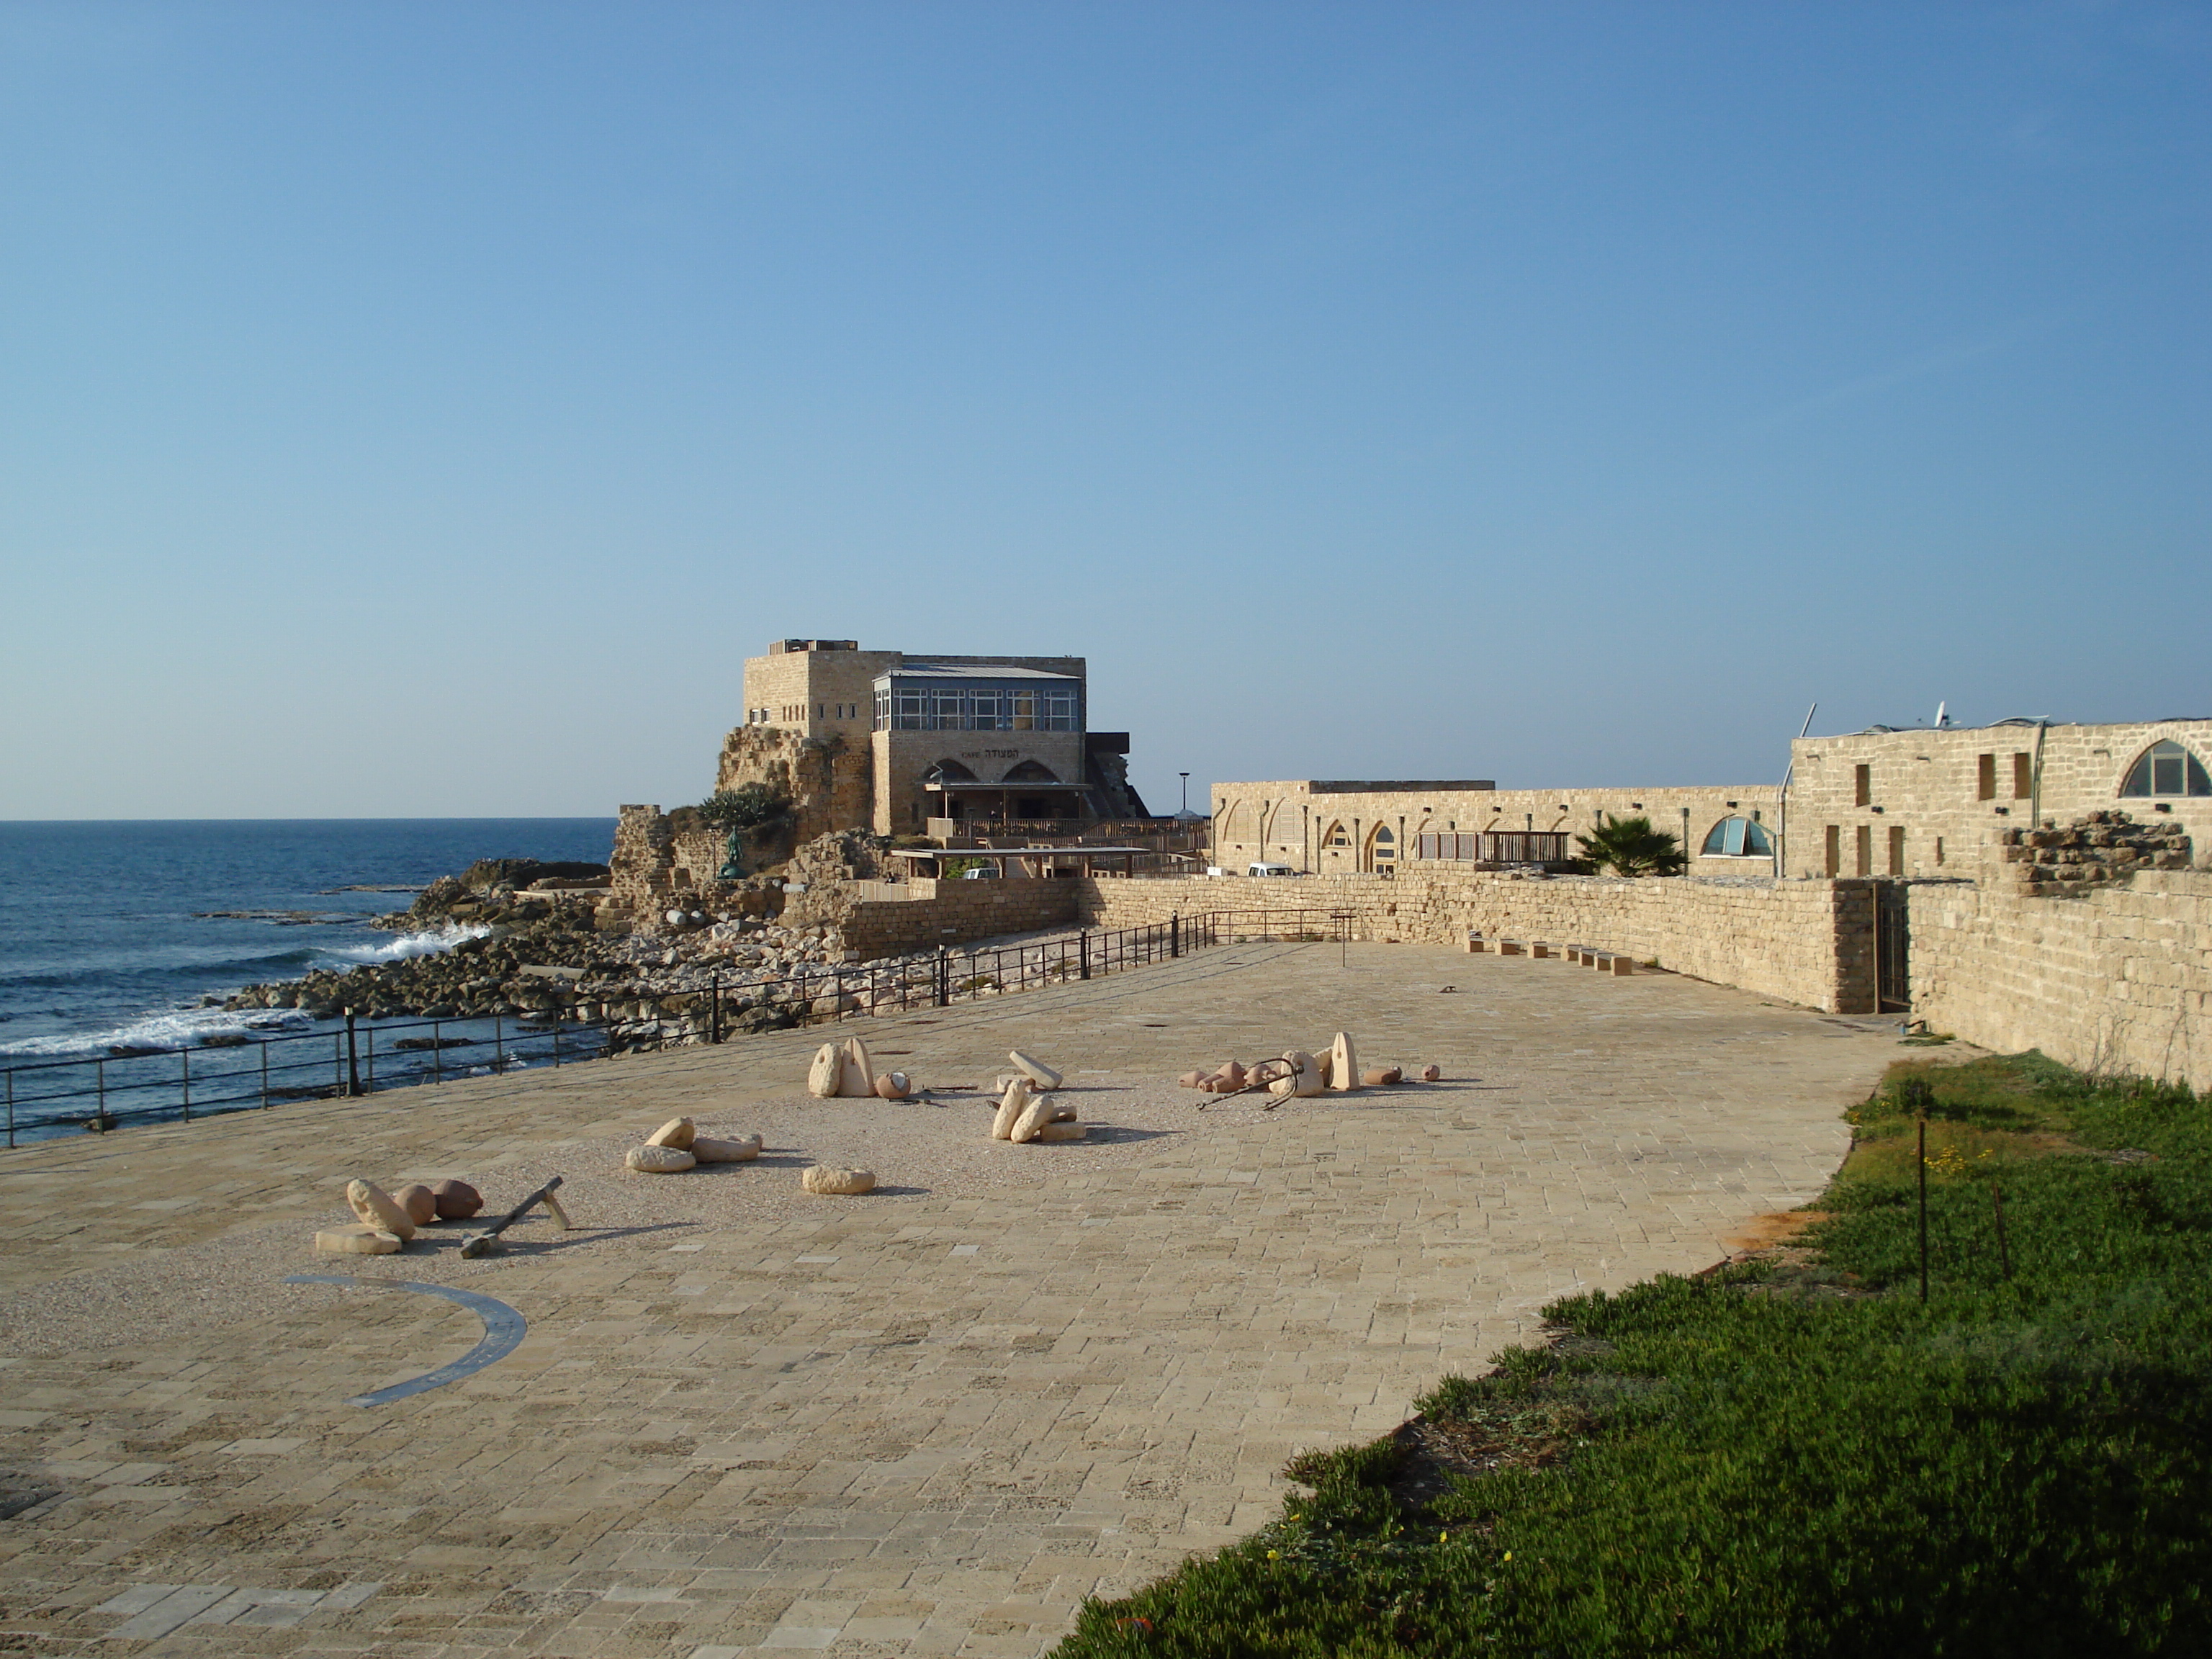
{"x": 1008, "y": 852}
{"x": 963, "y": 671}
{"x": 1395, "y": 786}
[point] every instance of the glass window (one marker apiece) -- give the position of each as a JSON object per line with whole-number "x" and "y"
{"x": 1023, "y": 710}
{"x": 1736, "y": 838}
{"x": 2166, "y": 769}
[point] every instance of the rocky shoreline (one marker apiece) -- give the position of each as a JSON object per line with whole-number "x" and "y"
{"x": 529, "y": 943}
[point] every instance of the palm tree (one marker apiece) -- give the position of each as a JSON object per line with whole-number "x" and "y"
{"x": 1631, "y": 847}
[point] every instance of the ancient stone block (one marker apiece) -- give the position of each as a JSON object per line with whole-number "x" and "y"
{"x": 378, "y": 1208}
{"x": 823, "y": 1076}
{"x": 659, "y": 1160}
{"x": 824, "y": 1181}
{"x": 1343, "y": 1064}
{"x": 359, "y": 1240}
{"x": 678, "y": 1132}
{"x": 420, "y": 1203}
{"x": 743, "y": 1149}
{"x": 1036, "y": 1070}
{"x": 1011, "y": 1105}
{"x": 456, "y": 1199}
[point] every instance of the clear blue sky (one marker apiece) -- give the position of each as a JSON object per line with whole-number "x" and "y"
{"x": 423, "y": 408}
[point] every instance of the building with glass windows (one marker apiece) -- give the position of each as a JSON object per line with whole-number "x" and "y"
{"x": 980, "y": 742}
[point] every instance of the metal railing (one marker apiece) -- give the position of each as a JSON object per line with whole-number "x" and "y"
{"x": 361, "y": 1057}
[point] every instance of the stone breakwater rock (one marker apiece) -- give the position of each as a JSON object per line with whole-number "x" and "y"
{"x": 678, "y": 1133}
{"x": 824, "y": 1075}
{"x": 1011, "y": 1107}
{"x": 659, "y": 1160}
{"x": 856, "y": 1076}
{"x": 894, "y": 1085}
{"x": 457, "y": 1200}
{"x": 361, "y": 1240}
{"x": 1036, "y": 1070}
{"x": 825, "y": 1182}
{"x": 419, "y": 1202}
{"x": 378, "y": 1208}
{"x": 743, "y": 1149}
{"x": 1343, "y": 1064}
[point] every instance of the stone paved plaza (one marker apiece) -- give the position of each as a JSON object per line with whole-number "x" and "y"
{"x": 930, "y": 1421}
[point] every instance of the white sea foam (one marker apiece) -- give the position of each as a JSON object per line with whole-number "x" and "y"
{"x": 428, "y": 944}
{"x": 180, "y": 1030}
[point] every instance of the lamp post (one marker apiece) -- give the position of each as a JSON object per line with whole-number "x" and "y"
{"x": 1185, "y": 776}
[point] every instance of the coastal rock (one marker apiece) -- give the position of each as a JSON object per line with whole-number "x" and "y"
{"x": 743, "y": 1149}
{"x": 659, "y": 1160}
{"x": 419, "y": 1202}
{"x": 378, "y": 1208}
{"x": 360, "y": 1240}
{"x": 824, "y": 1181}
{"x": 456, "y": 1199}
{"x": 678, "y": 1133}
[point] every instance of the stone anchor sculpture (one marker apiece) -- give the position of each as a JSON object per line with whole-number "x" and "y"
{"x": 677, "y": 1146}
{"x": 1025, "y": 1113}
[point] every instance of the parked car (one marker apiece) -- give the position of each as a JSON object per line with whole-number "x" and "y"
{"x": 1259, "y": 869}
{"x": 980, "y": 873}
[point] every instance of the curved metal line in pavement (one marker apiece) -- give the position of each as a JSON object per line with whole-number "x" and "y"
{"x": 504, "y": 1328}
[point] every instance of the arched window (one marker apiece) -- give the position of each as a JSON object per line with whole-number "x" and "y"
{"x": 1338, "y": 835}
{"x": 1737, "y": 838}
{"x": 1030, "y": 772}
{"x": 1382, "y": 850}
{"x": 948, "y": 771}
{"x": 2166, "y": 769}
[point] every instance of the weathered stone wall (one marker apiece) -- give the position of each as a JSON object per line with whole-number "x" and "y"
{"x": 658, "y": 855}
{"x": 1806, "y": 942}
{"x": 826, "y": 780}
{"x": 949, "y": 913}
{"x": 2118, "y": 979}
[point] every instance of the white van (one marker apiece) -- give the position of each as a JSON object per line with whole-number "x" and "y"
{"x": 1257, "y": 869}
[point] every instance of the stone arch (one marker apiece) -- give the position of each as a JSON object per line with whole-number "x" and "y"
{"x": 949, "y": 770}
{"x": 1030, "y": 771}
{"x": 1381, "y": 851}
{"x": 2165, "y": 768}
{"x": 1337, "y": 838}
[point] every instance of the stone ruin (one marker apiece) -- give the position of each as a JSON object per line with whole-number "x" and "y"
{"x": 2097, "y": 848}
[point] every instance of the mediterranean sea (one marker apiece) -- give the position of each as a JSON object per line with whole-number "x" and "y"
{"x": 107, "y": 936}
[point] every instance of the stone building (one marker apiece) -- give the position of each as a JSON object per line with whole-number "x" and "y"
{"x": 1929, "y": 802}
{"x": 891, "y": 741}
{"x": 1917, "y": 803}
{"x": 1339, "y": 827}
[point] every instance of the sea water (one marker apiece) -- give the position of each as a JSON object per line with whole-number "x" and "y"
{"x": 108, "y": 939}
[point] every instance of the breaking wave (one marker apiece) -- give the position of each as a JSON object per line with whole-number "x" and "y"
{"x": 182, "y": 1030}
{"x": 428, "y": 944}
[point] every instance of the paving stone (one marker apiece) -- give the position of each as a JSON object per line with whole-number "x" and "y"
{"x": 874, "y": 1423}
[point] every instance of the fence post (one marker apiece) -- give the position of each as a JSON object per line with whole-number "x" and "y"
{"x": 100, "y": 1079}
{"x": 1175, "y": 936}
{"x": 372, "y": 1059}
{"x": 714, "y": 1010}
{"x": 943, "y": 976}
{"x": 499, "y": 1045}
{"x": 556, "y": 1039}
{"x": 353, "y": 1061}
{"x": 264, "y": 1046}
{"x": 186, "y": 1056}
{"x": 11, "y": 1106}
{"x": 437, "y": 1053}
{"x": 1083, "y": 954}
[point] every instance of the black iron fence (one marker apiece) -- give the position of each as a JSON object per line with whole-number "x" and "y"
{"x": 234, "y": 1071}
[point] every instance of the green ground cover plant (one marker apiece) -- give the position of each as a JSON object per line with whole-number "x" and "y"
{"x": 1794, "y": 1454}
